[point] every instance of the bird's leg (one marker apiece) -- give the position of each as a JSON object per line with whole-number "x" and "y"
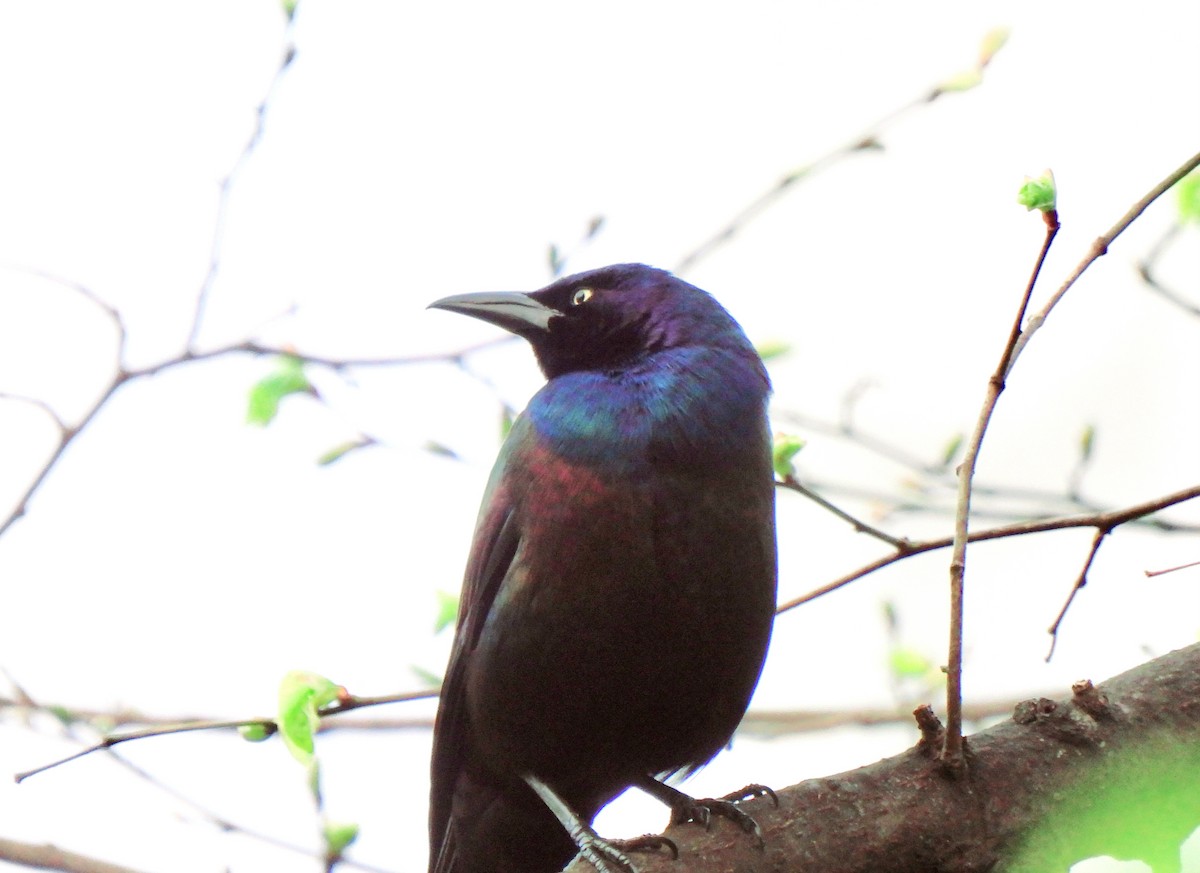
{"x": 686, "y": 808}
{"x": 607, "y": 856}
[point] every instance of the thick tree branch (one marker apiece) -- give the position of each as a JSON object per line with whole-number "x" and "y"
{"x": 903, "y": 815}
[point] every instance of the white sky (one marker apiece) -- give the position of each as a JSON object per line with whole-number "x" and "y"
{"x": 180, "y": 562}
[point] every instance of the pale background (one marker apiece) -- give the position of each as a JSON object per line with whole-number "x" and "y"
{"x": 179, "y": 561}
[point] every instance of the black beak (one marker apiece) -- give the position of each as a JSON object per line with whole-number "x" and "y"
{"x": 511, "y": 310}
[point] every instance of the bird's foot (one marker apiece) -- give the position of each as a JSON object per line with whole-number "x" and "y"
{"x": 685, "y": 808}
{"x": 607, "y": 856}
{"x": 649, "y": 843}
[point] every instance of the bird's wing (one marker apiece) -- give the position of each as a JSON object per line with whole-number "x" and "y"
{"x": 497, "y": 536}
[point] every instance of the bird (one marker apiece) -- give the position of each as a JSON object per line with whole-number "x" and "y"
{"x": 620, "y": 589}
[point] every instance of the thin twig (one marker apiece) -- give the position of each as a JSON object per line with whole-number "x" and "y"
{"x": 1080, "y": 581}
{"x": 1146, "y": 270}
{"x": 112, "y": 740}
{"x": 938, "y": 476}
{"x": 1150, "y": 574}
{"x": 39, "y": 404}
{"x": 791, "y": 484}
{"x": 226, "y": 190}
{"x": 868, "y": 140}
{"x": 348, "y": 704}
{"x": 952, "y": 749}
{"x": 228, "y": 826}
{"x": 68, "y": 433}
{"x": 1100, "y": 248}
{"x": 74, "y": 716}
{"x": 1111, "y": 519}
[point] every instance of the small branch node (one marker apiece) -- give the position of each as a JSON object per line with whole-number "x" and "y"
{"x": 1091, "y": 700}
{"x": 933, "y": 734}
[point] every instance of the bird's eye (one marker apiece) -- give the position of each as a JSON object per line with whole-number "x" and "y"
{"x": 583, "y": 295}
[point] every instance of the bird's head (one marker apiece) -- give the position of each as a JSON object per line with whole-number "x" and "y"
{"x": 606, "y": 319}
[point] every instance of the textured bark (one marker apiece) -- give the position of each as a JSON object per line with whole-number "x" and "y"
{"x": 904, "y": 814}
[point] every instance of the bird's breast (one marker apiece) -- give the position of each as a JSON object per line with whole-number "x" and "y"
{"x": 638, "y": 605}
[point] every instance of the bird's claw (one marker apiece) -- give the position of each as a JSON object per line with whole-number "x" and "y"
{"x": 751, "y": 791}
{"x": 608, "y": 856}
{"x": 702, "y": 810}
{"x": 604, "y": 855}
{"x": 649, "y": 843}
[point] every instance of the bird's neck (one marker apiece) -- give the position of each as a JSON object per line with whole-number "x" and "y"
{"x": 692, "y": 406}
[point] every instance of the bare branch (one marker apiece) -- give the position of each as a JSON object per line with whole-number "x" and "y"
{"x": 36, "y": 402}
{"x": 48, "y": 857}
{"x": 868, "y": 140}
{"x": 952, "y": 750}
{"x": 1146, "y": 270}
{"x": 1098, "y": 520}
{"x": 791, "y": 484}
{"x": 1101, "y": 533}
{"x": 1150, "y": 574}
{"x": 348, "y": 704}
{"x": 68, "y": 433}
{"x": 226, "y": 189}
{"x": 86, "y": 293}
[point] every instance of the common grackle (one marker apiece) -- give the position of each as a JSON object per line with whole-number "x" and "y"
{"x": 620, "y": 588}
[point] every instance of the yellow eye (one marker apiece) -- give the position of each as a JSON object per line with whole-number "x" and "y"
{"x": 583, "y": 295}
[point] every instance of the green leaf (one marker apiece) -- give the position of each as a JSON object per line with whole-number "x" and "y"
{"x": 964, "y": 81}
{"x": 301, "y": 694}
{"x": 447, "y": 612}
{"x": 338, "y": 837}
{"x": 288, "y": 378}
{"x": 773, "y": 349}
{"x": 506, "y": 421}
{"x": 1039, "y": 193}
{"x": 1137, "y": 801}
{"x": 891, "y": 616}
{"x": 433, "y": 680}
{"x": 594, "y": 226}
{"x": 338, "y": 452}
{"x": 255, "y": 733}
{"x": 908, "y": 663}
{"x": 1087, "y": 442}
{"x": 950, "y": 450}
{"x": 1189, "y": 197}
{"x": 785, "y": 449}
{"x": 441, "y": 450}
{"x": 289, "y": 8}
{"x": 994, "y": 40}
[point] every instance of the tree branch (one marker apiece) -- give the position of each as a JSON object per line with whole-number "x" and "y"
{"x": 868, "y": 140}
{"x": 1098, "y": 520}
{"x": 48, "y": 857}
{"x": 902, "y": 815}
{"x": 952, "y": 750}
{"x": 227, "y": 186}
{"x": 1100, "y": 248}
